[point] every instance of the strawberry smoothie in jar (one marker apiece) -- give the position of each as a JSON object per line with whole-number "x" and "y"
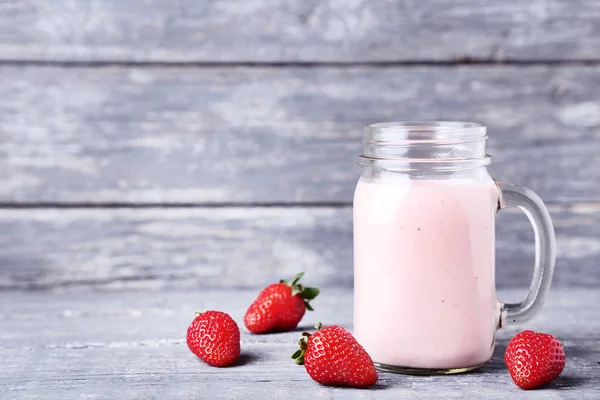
{"x": 424, "y": 213}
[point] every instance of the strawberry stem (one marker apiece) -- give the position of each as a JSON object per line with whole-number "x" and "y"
{"x": 306, "y": 293}
{"x": 296, "y": 278}
{"x": 298, "y": 355}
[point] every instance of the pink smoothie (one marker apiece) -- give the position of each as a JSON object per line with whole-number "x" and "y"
{"x": 424, "y": 272}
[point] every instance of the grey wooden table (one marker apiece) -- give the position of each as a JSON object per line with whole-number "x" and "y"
{"x": 77, "y": 344}
{"x": 157, "y": 156}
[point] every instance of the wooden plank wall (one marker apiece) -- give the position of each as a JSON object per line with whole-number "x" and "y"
{"x": 206, "y": 144}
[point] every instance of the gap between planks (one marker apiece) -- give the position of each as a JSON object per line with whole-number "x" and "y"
{"x": 463, "y": 61}
{"x": 552, "y": 206}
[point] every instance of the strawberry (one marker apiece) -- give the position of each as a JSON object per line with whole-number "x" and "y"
{"x": 333, "y": 357}
{"x": 280, "y": 306}
{"x": 534, "y": 359}
{"x": 215, "y": 338}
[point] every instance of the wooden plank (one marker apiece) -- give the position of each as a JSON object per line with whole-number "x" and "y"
{"x": 298, "y": 31}
{"x": 208, "y": 247}
{"x": 272, "y": 135}
{"x": 63, "y": 345}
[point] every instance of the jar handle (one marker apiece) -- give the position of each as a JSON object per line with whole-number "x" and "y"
{"x": 545, "y": 252}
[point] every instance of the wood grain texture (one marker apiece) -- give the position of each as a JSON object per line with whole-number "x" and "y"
{"x": 276, "y": 135}
{"x": 76, "y": 344}
{"x": 242, "y": 247}
{"x": 298, "y": 31}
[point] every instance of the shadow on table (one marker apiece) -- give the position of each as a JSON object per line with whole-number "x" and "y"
{"x": 299, "y": 329}
{"x": 566, "y": 382}
{"x": 378, "y": 386}
{"x": 246, "y": 359}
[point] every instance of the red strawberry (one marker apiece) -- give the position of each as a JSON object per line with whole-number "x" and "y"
{"x": 280, "y": 306}
{"x": 534, "y": 359}
{"x": 215, "y": 338}
{"x": 333, "y": 357}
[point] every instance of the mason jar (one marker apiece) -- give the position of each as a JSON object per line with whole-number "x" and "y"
{"x": 424, "y": 215}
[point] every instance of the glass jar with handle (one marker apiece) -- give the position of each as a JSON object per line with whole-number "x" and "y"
{"x": 424, "y": 271}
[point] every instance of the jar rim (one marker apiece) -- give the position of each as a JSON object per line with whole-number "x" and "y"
{"x": 426, "y": 145}
{"x": 424, "y": 131}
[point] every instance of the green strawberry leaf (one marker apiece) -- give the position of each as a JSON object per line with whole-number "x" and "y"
{"x": 296, "y": 278}
{"x": 306, "y": 293}
{"x": 297, "y": 354}
{"x": 308, "y": 306}
{"x": 297, "y": 289}
{"x": 310, "y": 293}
